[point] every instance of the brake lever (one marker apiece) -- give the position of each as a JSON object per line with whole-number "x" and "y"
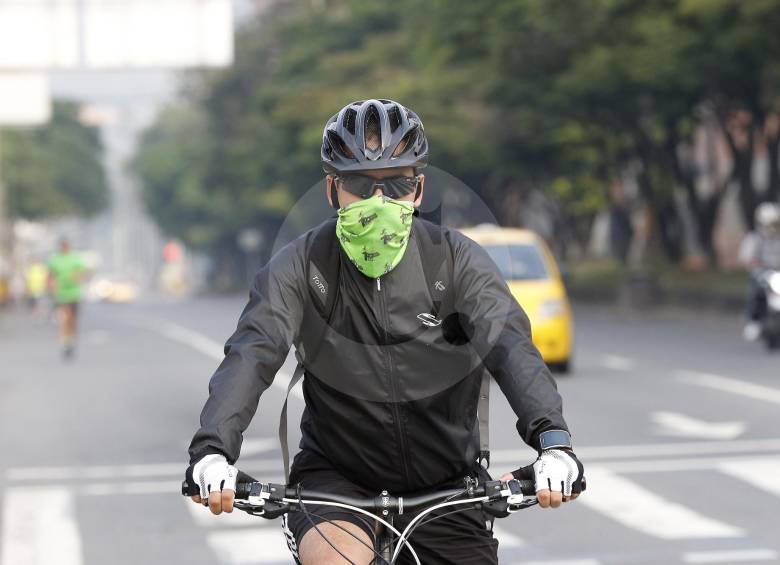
{"x": 266, "y": 509}
{"x": 516, "y": 500}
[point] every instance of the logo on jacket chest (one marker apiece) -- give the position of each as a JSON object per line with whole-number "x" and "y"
{"x": 428, "y": 319}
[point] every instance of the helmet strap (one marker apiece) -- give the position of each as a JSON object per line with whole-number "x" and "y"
{"x": 334, "y": 195}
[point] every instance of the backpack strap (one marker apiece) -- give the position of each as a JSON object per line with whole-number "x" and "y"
{"x": 323, "y": 260}
{"x": 322, "y": 277}
{"x": 296, "y": 376}
{"x": 437, "y": 264}
{"x": 483, "y": 416}
{"x": 438, "y": 267}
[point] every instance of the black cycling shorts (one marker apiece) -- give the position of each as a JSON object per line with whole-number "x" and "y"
{"x": 462, "y": 538}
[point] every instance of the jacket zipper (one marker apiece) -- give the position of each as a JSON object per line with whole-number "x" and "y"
{"x": 393, "y": 384}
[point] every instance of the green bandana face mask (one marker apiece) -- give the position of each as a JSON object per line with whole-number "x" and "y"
{"x": 374, "y": 233}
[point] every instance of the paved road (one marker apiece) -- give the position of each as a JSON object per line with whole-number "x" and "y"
{"x": 675, "y": 418}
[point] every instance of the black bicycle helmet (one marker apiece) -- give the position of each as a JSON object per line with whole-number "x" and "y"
{"x": 373, "y": 134}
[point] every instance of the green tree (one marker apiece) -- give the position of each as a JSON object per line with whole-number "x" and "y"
{"x": 54, "y": 170}
{"x": 563, "y": 98}
{"x": 739, "y": 55}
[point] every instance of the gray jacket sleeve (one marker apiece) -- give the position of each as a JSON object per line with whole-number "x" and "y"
{"x": 500, "y": 332}
{"x": 253, "y": 355}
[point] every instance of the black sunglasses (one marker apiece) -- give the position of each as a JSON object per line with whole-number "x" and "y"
{"x": 365, "y": 186}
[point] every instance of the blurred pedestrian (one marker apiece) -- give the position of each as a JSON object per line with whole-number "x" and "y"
{"x": 5, "y": 283}
{"x": 760, "y": 252}
{"x": 67, "y": 271}
{"x": 35, "y": 278}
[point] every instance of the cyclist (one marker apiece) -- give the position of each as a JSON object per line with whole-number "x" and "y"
{"x": 759, "y": 252}
{"x": 66, "y": 273}
{"x": 388, "y": 404}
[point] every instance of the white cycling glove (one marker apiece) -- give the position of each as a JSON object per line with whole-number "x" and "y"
{"x": 559, "y": 471}
{"x": 213, "y": 474}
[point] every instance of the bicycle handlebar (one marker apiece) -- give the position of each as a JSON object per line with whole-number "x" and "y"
{"x": 247, "y": 488}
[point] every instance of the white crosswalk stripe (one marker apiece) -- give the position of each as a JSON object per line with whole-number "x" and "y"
{"x": 236, "y": 519}
{"x": 761, "y": 473}
{"x": 39, "y": 527}
{"x": 560, "y": 562}
{"x": 507, "y": 540}
{"x": 730, "y": 556}
{"x": 256, "y": 546}
{"x": 33, "y": 536}
{"x": 636, "y": 507}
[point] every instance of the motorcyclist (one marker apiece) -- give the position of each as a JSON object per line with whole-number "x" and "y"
{"x": 759, "y": 252}
{"x": 389, "y": 403}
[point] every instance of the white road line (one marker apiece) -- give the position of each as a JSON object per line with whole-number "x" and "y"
{"x": 118, "y": 488}
{"x": 559, "y": 562}
{"x": 41, "y": 474}
{"x": 208, "y": 347}
{"x": 236, "y": 519}
{"x": 634, "y": 506}
{"x": 252, "y": 547}
{"x": 258, "y": 445}
{"x": 507, "y": 539}
{"x": 730, "y": 556}
{"x": 39, "y": 528}
{"x": 624, "y": 467}
{"x": 763, "y": 474}
{"x": 618, "y": 363}
{"x": 612, "y": 452}
{"x": 675, "y": 424}
{"x": 92, "y": 472}
{"x": 267, "y": 467}
{"x": 675, "y": 465}
{"x": 191, "y": 338}
{"x": 727, "y": 384}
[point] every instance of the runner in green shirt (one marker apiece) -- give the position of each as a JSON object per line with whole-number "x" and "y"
{"x": 66, "y": 273}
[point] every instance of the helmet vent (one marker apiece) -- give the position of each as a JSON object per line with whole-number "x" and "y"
{"x": 395, "y": 118}
{"x": 407, "y": 142}
{"x": 339, "y": 146}
{"x": 349, "y": 120}
{"x": 373, "y": 133}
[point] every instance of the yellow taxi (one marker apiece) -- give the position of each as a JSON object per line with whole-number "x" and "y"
{"x": 533, "y": 276}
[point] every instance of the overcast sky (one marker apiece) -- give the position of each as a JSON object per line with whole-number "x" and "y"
{"x": 122, "y": 87}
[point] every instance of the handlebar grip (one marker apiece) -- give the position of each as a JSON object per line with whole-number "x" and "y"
{"x": 242, "y": 486}
{"x": 189, "y": 489}
{"x": 527, "y": 479}
{"x": 243, "y": 483}
{"x": 528, "y": 486}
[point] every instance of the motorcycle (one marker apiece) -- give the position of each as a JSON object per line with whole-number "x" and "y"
{"x": 770, "y": 281}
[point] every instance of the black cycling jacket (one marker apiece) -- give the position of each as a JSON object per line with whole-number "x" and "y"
{"x": 390, "y": 403}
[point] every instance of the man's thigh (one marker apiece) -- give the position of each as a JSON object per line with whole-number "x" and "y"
{"x": 331, "y": 542}
{"x": 462, "y": 538}
{"x": 307, "y": 531}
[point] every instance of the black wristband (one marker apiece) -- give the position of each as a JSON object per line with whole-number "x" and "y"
{"x": 554, "y": 439}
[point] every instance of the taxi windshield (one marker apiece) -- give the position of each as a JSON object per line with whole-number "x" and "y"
{"x": 518, "y": 262}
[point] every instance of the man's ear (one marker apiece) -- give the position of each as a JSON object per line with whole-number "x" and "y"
{"x": 331, "y": 192}
{"x": 419, "y": 195}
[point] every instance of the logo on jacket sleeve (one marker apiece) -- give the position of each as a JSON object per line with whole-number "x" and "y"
{"x": 428, "y": 319}
{"x": 318, "y": 283}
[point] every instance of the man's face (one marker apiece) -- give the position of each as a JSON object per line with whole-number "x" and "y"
{"x": 347, "y": 198}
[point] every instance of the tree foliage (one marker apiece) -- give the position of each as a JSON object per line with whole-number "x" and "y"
{"x": 561, "y": 98}
{"x": 54, "y": 170}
